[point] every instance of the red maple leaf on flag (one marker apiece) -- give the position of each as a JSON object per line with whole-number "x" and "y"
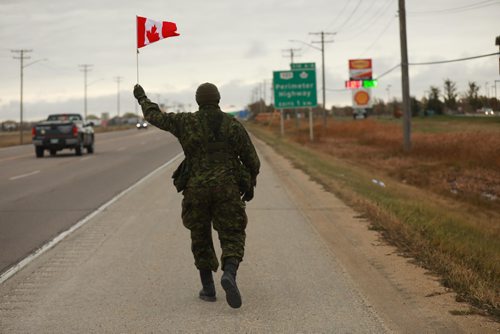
{"x": 152, "y": 35}
{"x": 150, "y": 31}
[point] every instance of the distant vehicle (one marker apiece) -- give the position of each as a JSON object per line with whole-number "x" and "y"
{"x": 63, "y": 131}
{"x": 359, "y": 113}
{"x": 141, "y": 125}
{"x": 486, "y": 111}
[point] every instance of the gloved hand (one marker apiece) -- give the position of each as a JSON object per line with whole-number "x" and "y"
{"x": 139, "y": 93}
{"x": 248, "y": 195}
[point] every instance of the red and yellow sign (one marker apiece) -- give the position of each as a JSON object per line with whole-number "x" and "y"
{"x": 360, "y": 69}
{"x": 360, "y": 64}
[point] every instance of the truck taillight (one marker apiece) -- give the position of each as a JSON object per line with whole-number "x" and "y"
{"x": 33, "y": 131}
{"x": 75, "y": 131}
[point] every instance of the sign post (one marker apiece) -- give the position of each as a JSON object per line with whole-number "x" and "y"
{"x": 311, "y": 128}
{"x": 282, "y": 122}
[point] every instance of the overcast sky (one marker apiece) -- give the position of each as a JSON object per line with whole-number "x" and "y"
{"x": 233, "y": 44}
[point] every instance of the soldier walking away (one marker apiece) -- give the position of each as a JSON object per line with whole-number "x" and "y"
{"x": 217, "y": 177}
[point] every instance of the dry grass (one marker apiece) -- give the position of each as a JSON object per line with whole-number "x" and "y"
{"x": 441, "y": 203}
{"x": 463, "y": 165}
{"x": 13, "y": 138}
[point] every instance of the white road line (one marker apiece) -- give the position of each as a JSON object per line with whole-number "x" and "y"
{"x": 86, "y": 158}
{"x": 121, "y": 149}
{"x": 24, "y": 175}
{"x": 24, "y": 262}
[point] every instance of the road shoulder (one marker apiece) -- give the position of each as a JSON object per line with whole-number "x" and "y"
{"x": 407, "y": 297}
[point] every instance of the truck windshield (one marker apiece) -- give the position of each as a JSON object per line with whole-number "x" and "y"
{"x": 65, "y": 117}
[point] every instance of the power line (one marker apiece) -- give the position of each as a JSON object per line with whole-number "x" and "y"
{"x": 459, "y": 9}
{"x": 337, "y": 90}
{"x": 339, "y": 14}
{"x": 369, "y": 24}
{"x": 379, "y": 36}
{"x": 388, "y": 71}
{"x": 455, "y": 60}
{"x": 437, "y": 62}
{"x": 366, "y": 11}
{"x": 350, "y": 16}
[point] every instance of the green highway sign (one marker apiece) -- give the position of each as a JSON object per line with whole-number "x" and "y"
{"x": 303, "y": 66}
{"x": 295, "y": 88}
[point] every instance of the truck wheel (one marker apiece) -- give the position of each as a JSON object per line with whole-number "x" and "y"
{"x": 53, "y": 152}
{"x": 39, "y": 151}
{"x": 90, "y": 148}
{"x": 79, "y": 149}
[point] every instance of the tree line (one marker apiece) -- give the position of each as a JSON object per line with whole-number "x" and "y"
{"x": 439, "y": 101}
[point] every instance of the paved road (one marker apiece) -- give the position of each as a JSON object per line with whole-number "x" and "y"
{"x": 39, "y": 198}
{"x": 130, "y": 270}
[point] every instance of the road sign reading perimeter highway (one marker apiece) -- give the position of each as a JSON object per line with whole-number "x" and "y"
{"x": 295, "y": 88}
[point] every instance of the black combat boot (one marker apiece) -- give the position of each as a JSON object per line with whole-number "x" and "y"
{"x": 207, "y": 280}
{"x": 228, "y": 282}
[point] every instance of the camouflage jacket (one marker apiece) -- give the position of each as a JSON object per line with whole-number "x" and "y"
{"x": 216, "y": 146}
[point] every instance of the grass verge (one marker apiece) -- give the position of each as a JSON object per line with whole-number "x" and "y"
{"x": 460, "y": 246}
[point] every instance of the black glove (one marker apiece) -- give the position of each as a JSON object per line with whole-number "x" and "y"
{"x": 248, "y": 195}
{"x": 139, "y": 93}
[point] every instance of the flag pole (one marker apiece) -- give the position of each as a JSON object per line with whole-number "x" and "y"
{"x": 137, "y": 49}
{"x": 137, "y": 66}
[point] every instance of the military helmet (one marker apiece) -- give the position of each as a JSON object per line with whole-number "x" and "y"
{"x": 207, "y": 94}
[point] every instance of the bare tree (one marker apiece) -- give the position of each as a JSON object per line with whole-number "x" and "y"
{"x": 450, "y": 94}
{"x": 434, "y": 103}
{"x": 472, "y": 95}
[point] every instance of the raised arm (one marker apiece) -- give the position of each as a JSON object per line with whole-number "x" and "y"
{"x": 152, "y": 113}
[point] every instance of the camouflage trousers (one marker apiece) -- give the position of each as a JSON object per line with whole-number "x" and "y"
{"x": 221, "y": 207}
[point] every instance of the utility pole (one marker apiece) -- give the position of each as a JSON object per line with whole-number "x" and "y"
{"x": 85, "y": 68}
{"x": 264, "y": 91}
{"x": 388, "y": 89}
{"x": 21, "y": 57}
{"x": 118, "y": 80}
{"x": 292, "y": 54}
{"x": 322, "y": 34}
{"x": 497, "y": 42}
{"x": 496, "y": 88}
{"x": 405, "y": 78}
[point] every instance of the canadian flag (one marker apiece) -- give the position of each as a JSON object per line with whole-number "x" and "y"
{"x": 149, "y": 31}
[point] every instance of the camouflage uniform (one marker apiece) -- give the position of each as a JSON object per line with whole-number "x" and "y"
{"x": 221, "y": 165}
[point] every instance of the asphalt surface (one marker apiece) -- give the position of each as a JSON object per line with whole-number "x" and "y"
{"x": 40, "y": 198}
{"x": 130, "y": 270}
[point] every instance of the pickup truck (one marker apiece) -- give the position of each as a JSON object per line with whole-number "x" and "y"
{"x": 61, "y": 131}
